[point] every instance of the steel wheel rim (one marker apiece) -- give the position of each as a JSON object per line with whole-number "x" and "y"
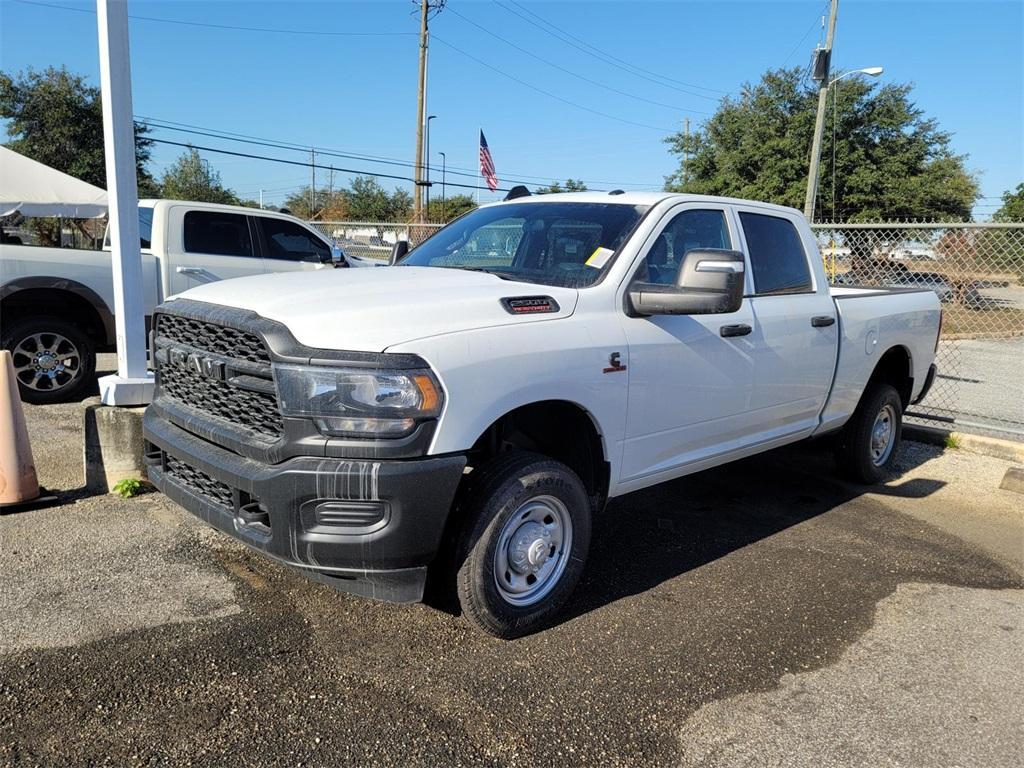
{"x": 882, "y": 433}
{"x": 533, "y": 550}
{"x": 46, "y": 362}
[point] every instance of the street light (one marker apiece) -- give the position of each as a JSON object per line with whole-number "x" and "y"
{"x": 444, "y": 211}
{"x": 819, "y": 128}
{"x": 870, "y": 72}
{"x": 429, "y": 118}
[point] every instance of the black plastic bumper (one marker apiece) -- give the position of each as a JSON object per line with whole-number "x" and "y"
{"x": 364, "y": 526}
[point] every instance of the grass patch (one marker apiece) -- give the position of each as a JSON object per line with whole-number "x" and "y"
{"x": 129, "y": 487}
{"x": 952, "y": 442}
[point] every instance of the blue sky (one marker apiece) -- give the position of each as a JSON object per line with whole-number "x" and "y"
{"x": 357, "y": 94}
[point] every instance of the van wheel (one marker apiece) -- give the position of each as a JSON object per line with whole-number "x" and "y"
{"x": 524, "y": 542}
{"x": 868, "y": 443}
{"x": 54, "y": 362}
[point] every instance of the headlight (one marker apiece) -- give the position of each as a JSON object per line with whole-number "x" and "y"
{"x": 358, "y": 402}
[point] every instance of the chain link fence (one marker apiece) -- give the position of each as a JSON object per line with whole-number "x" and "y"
{"x": 977, "y": 271}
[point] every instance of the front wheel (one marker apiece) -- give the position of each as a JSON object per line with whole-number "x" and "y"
{"x": 867, "y": 445}
{"x": 524, "y": 542}
{"x": 54, "y": 361}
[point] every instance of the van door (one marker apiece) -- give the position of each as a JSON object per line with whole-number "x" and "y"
{"x": 289, "y": 246}
{"x": 690, "y": 376}
{"x": 797, "y": 324}
{"x": 206, "y": 245}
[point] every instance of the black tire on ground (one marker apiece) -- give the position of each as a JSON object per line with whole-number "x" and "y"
{"x": 856, "y": 456}
{"x": 496, "y": 493}
{"x": 26, "y": 335}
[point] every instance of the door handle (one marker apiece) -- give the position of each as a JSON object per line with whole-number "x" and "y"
{"x": 822, "y": 321}
{"x": 189, "y": 270}
{"x": 735, "y": 330}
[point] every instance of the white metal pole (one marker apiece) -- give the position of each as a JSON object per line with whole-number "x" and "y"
{"x": 131, "y": 385}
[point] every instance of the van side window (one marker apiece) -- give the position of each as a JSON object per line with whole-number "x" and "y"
{"x": 777, "y": 257}
{"x": 688, "y": 230}
{"x": 288, "y": 241}
{"x": 225, "y": 234}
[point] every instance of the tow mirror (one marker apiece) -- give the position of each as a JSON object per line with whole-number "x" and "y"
{"x": 337, "y": 256}
{"x": 709, "y": 281}
{"x": 398, "y": 251}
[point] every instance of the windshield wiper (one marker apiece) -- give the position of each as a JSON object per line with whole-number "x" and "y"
{"x": 501, "y": 274}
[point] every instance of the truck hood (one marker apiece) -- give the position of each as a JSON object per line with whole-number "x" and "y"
{"x": 369, "y": 310}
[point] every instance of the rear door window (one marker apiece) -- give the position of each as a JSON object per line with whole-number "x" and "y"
{"x": 777, "y": 256}
{"x": 223, "y": 234}
{"x": 285, "y": 240}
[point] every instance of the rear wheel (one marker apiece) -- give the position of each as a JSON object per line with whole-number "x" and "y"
{"x": 54, "y": 362}
{"x": 867, "y": 445}
{"x": 526, "y": 531}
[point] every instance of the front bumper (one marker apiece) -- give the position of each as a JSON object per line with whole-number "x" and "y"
{"x": 367, "y": 527}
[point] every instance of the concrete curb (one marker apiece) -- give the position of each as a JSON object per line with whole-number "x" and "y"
{"x": 1008, "y": 450}
{"x": 1013, "y": 480}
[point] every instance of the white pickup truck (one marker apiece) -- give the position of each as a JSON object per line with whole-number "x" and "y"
{"x": 57, "y": 303}
{"x": 466, "y": 412}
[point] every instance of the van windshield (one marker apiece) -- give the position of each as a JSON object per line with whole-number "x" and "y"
{"x": 556, "y": 243}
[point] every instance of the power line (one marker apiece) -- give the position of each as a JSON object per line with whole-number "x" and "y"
{"x": 564, "y": 69}
{"x": 318, "y": 33}
{"x": 585, "y": 47}
{"x": 815, "y": 23}
{"x": 548, "y": 93}
{"x": 160, "y": 124}
{"x": 306, "y": 164}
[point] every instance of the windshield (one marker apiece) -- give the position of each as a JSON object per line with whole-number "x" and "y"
{"x": 556, "y": 243}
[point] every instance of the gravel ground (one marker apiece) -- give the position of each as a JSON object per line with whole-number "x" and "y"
{"x": 132, "y": 635}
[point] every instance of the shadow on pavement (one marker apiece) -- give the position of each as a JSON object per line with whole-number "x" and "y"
{"x": 650, "y": 536}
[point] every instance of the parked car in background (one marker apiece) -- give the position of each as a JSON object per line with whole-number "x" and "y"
{"x": 894, "y": 274}
{"x": 57, "y": 304}
{"x": 465, "y": 413}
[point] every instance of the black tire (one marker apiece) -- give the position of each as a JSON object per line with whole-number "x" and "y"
{"x": 17, "y": 338}
{"x": 855, "y": 455}
{"x": 496, "y": 493}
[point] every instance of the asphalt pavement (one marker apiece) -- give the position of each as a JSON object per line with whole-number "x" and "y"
{"x": 764, "y": 613}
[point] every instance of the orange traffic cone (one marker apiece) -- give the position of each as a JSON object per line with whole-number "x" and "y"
{"x": 18, "y": 484}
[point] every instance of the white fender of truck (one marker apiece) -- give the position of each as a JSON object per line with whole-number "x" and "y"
{"x": 869, "y": 326}
{"x": 489, "y": 372}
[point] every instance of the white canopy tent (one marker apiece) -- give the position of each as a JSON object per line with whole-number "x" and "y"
{"x": 32, "y": 189}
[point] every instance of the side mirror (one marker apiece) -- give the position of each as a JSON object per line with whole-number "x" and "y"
{"x": 710, "y": 281}
{"x": 337, "y": 256}
{"x": 398, "y": 251}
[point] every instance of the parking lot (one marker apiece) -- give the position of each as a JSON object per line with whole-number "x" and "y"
{"x": 764, "y": 613}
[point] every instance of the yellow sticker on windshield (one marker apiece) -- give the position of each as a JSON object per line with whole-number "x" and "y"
{"x": 599, "y": 258}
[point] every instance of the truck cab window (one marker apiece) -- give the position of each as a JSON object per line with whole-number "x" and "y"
{"x": 777, "y": 257}
{"x": 288, "y": 241}
{"x": 225, "y": 234}
{"x": 145, "y": 229}
{"x": 687, "y": 231}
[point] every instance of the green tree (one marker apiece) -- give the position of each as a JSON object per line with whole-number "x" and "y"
{"x": 571, "y": 185}
{"x": 1013, "y": 206}
{"x": 367, "y": 200}
{"x": 453, "y": 207}
{"x": 192, "y": 178}
{"x": 891, "y": 162}
{"x": 56, "y": 118}
{"x": 324, "y": 202}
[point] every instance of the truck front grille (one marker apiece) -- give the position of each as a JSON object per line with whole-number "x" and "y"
{"x": 220, "y": 372}
{"x": 210, "y": 337}
{"x": 200, "y": 483}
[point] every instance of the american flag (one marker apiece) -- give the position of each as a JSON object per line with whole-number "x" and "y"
{"x": 487, "y": 164}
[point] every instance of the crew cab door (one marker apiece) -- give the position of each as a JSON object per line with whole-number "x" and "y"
{"x": 206, "y": 245}
{"x": 690, "y": 376}
{"x": 288, "y": 246}
{"x": 796, "y": 323}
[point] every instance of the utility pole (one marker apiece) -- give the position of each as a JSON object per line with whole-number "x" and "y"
{"x": 822, "y": 63}
{"x": 312, "y": 183}
{"x": 427, "y": 9}
{"x": 686, "y": 149}
{"x": 261, "y": 199}
{"x": 444, "y": 168}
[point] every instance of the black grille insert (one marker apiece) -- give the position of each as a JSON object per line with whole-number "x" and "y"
{"x": 239, "y": 407}
{"x": 200, "y": 483}
{"x": 219, "y": 339}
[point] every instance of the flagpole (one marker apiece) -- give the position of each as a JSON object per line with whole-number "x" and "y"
{"x": 479, "y": 169}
